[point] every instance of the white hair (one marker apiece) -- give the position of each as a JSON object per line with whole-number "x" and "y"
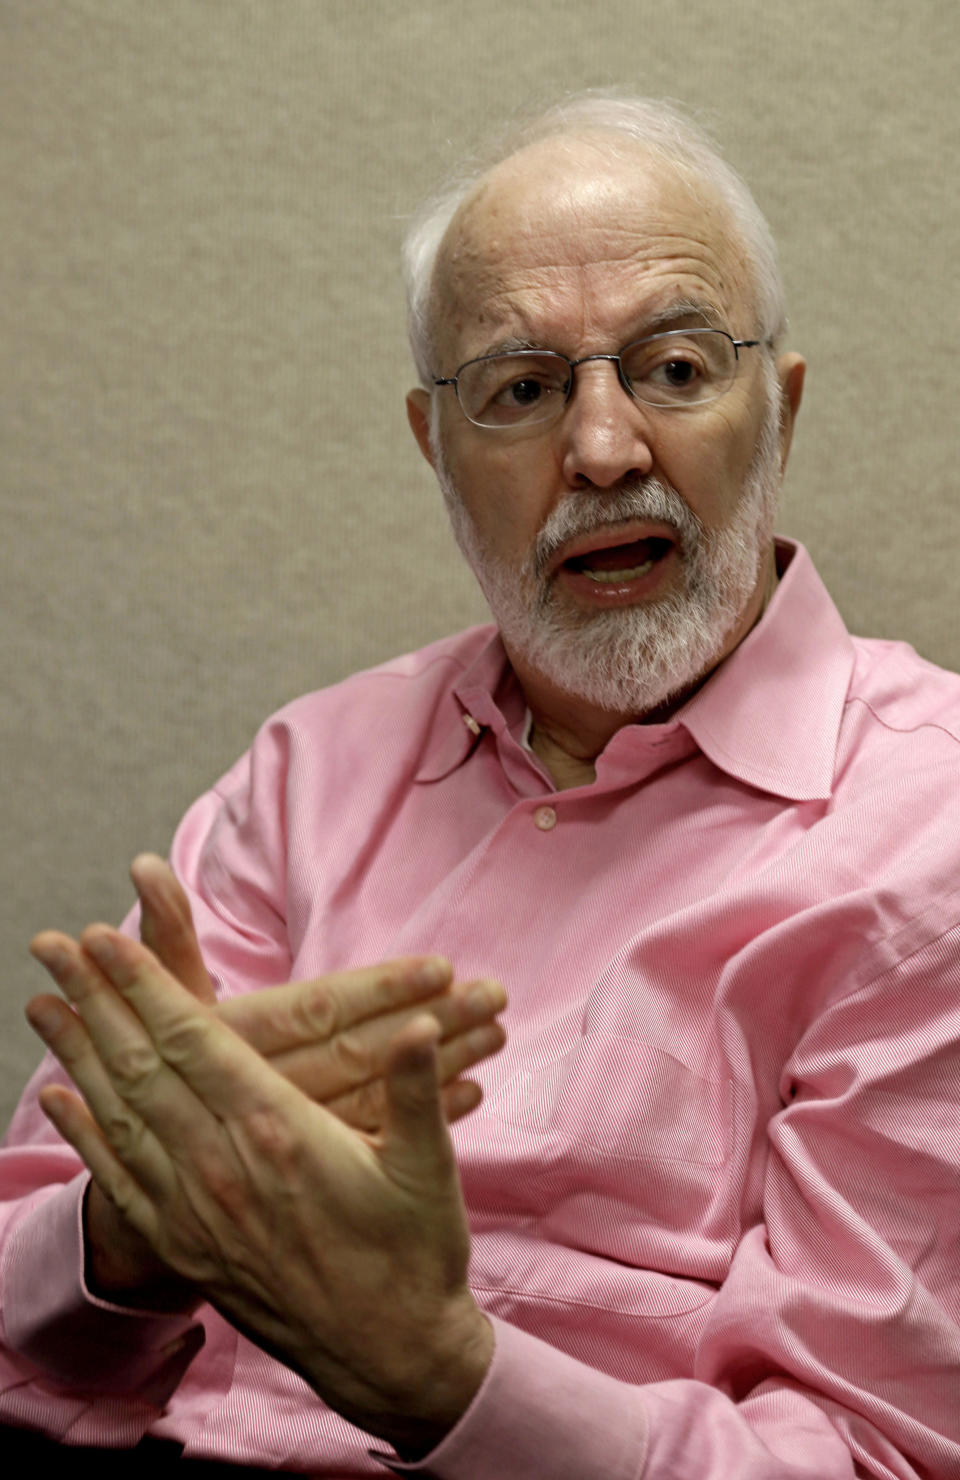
{"x": 661, "y": 127}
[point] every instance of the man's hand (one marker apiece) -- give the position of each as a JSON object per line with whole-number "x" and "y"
{"x": 343, "y": 1253}
{"x": 330, "y": 1037}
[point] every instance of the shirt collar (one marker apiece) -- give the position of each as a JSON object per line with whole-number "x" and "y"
{"x": 486, "y": 696}
{"x": 769, "y": 715}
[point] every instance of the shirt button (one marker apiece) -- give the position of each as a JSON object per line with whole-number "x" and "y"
{"x": 545, "y": 818}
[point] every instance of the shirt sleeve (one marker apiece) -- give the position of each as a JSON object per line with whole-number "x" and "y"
{"x": 70, "y": 1362}
{"x": 832, "y": 1349}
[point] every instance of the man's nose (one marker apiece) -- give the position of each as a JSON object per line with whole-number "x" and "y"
{"x": 605, "y": 433}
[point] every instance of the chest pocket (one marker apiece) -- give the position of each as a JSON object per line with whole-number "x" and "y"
{"x": 624, "y": 1151}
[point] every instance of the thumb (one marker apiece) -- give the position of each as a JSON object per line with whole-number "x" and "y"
{"x": 416, "y": 1142}
{"x": 166, "y": 924}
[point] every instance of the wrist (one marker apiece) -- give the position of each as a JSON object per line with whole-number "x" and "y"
{"x": 449, "y": 1381}
{"x": 119, "y": 1265}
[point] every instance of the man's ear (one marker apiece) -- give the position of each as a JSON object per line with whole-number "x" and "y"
{"x": 418, "y": 415}
{"x": 791, "y": 370}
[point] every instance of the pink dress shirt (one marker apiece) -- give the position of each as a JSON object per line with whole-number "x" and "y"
{"x": 714, "y": 1184}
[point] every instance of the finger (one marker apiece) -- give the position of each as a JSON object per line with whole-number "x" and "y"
{"x": 416, "y": 1144}
{"x": 106, "y": 1019}
{"x": 166, "y": 924}
{"x": 467, "y": 1049}
{"x": 113, "y": 1024}
{"x": 113, "y": 1027}
{"x": 459, "y": 1099}
{"x": 101, "y": 1076}
{"x": 70, "y": 1116}
{"x": 365, "y": 1106}
{"x": 228, "y": 1079}
{"x": 302, "y": 1014}
{"x": 356, "y": 1056}
{"x": 65, "y": 1036}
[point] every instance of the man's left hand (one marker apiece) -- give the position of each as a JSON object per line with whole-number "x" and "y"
{"x": 342, "y": 1253}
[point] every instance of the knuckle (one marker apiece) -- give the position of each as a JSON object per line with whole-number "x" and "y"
{"x": 183, "y": 1041}
{"x": 351, "y": 1058}
{"x": 131, "y": 1064}
{"x": 315, "y": 1012}
{"x": 224, "y": 1189}
{"x": 271, "y": 1136}
{"x": 124, "y": 1131}
{"x": 217, "y": 1174}
{"x": 121, "y": 1198}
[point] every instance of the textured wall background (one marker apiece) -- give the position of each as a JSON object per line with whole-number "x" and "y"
{"x": 210, "y": 498}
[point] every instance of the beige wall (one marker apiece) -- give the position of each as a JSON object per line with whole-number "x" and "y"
{"x": 209, "y": 507}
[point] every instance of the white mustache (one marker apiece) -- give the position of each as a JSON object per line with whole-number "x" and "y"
{"x": 651, "y": 500}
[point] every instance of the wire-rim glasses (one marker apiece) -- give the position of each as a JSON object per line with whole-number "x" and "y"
{"x": 681, "y": 368}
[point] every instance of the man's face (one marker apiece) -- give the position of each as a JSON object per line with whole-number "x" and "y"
{"x": 625, "y": 549}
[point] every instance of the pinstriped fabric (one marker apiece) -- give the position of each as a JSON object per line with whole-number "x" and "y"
{"x": 278, "y": 1418}
{"x": 713, "y": 1185}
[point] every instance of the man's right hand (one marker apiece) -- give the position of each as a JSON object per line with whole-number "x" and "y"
{"x": 330, "y": 1037}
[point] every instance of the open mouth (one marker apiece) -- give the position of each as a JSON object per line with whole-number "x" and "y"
{"x": 618, "y": 563}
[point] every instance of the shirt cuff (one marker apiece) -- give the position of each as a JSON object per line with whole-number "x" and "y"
{"x": 72, "y": 1335}
{"x": 539, "y": 1412}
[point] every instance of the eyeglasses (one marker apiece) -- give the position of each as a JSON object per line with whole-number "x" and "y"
{"x": 680, "y": 369}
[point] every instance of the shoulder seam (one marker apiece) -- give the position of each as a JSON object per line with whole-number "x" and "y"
{"x": 902, "y": 729}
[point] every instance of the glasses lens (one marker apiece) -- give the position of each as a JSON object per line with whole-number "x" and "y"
{"x": 683, "y": 368}
{"x": 513, "y": 389}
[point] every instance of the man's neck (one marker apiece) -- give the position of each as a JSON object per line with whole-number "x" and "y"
{"x": 567, "y": 736}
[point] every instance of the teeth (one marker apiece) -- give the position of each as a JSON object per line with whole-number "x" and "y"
{"x": 612, "y": 577}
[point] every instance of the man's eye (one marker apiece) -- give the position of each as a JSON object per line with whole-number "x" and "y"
{"x": 674, "y": 374}
{"x": 525, "y": 392}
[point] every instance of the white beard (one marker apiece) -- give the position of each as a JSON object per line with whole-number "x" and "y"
{"x": 630, "y": 660}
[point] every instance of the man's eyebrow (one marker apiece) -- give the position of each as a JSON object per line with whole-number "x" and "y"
{"x": 679, "y": 311}
{"x": 510, "y": 344}
{"x": 675, "y": 314}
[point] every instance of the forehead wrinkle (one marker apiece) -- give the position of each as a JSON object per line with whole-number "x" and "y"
{"x": 540, "y": 245}
{"x": 596, "y": 247}
{"x": 534, "y": 315}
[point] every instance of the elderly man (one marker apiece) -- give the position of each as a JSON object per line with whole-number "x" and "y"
{"x": 703, "y": 1223}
